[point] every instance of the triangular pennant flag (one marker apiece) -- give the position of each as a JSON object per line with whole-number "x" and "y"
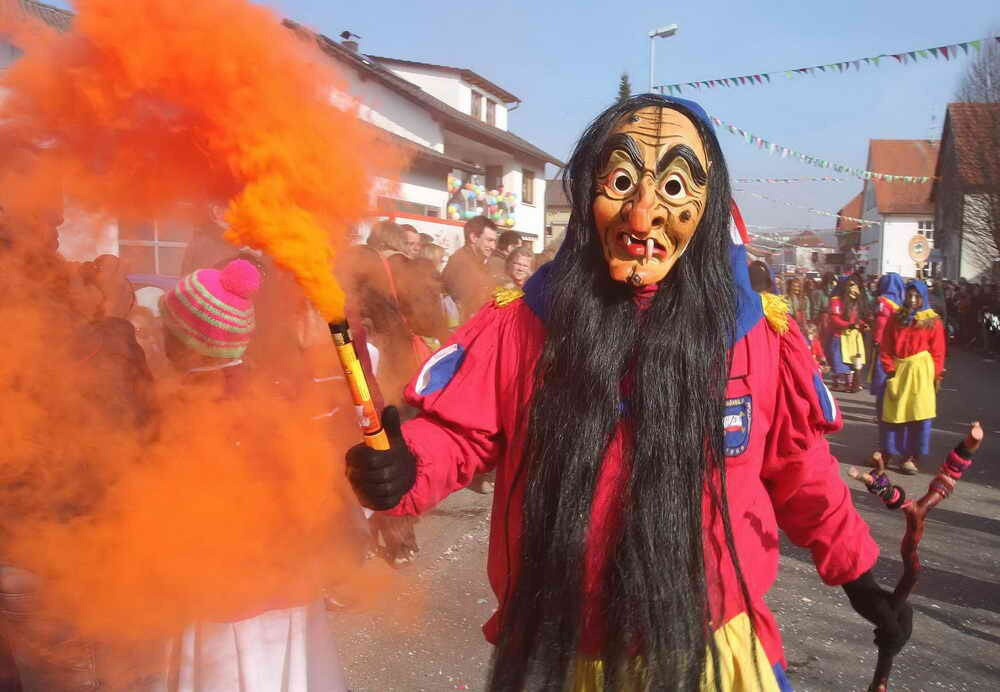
{"x": 965, "y": 47}
{"x": 822, "y": 68}
{"x": 868, "y": 61}
{"x": 759, "y": 80}
{"x": 923, "y": 53}
{"x": 898, "y": 57}
{"x": 944, "y": 51}
{"x": 934, "y": 51}
{"x": 977, "y": 44}
{"x": 913, "y": 55}
{"x": 876, "y": 59}
{"x": 857, "y": 65}
{"x": 767, "y": 77}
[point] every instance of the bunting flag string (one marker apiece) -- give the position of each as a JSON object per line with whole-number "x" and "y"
{"x": 807, "y": 179}
{"x": 905, "y": 58}
{"x": 786, "y": 152}
{"x": 819, "y": 212}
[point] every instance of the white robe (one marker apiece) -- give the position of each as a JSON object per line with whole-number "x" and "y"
{"x": 290, "y": 650}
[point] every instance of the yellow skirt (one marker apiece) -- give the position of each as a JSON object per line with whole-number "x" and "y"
{"x": 910, "y": 394}
{"x": 735, "y": 644}
{"x": 852, "y": 345}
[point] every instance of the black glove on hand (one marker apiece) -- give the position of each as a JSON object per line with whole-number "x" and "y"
{"x": 874, "y": 604}
{"x": 381, "y": 478}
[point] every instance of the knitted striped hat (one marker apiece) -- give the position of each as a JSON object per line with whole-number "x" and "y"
{"x": 211, "y": 311}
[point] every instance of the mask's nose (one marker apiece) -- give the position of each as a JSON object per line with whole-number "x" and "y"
{"x": 644, "y": 216}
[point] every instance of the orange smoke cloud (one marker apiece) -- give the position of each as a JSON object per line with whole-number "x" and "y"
{"x": 211, "y": 510}
{"x": 149, "y": 103}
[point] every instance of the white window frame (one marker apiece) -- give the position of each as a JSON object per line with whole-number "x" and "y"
{"x": 155, "y": 243}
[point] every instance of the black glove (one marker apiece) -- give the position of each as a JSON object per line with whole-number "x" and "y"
{"x": 869, "y": 600}
{"x": 381, "y": 478}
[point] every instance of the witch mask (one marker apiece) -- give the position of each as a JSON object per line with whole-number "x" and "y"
{"x": 650, "y": 193}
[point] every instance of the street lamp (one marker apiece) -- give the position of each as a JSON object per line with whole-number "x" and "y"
{"x": 662, "y": 32}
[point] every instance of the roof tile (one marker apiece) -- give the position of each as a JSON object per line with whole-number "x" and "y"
{"x": 916, "y": 157}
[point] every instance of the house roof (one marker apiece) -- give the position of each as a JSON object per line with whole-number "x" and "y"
{"x": 454, "y": 119}
{"x": 853, "y": 209}
{"x": 917, "y": 157}
{"x": 555, "y": 194}
{"x": 807, "y": 239}
{"x": 53, "y": 16}
{"x": 974, "y": 131}
{"x": 469, "y": 76}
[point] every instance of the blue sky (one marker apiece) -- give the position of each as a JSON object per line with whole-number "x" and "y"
{"x": 563, "y": 59}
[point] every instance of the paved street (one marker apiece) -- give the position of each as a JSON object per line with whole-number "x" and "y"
{"x": 426, "y": 633}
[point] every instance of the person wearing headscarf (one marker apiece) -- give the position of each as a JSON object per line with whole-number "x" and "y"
{"x": 890, "y": 298}
{"x": 912, "y": 352}
{"x": 847, "y": 346}
{"x": 209, "y": 320}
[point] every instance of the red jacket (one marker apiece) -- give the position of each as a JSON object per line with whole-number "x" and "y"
{"x": 474, "y": 395}
{"x": 840, "y": 317}
{"x": 899, "y": 341}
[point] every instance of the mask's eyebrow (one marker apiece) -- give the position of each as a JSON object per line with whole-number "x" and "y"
{"x": 622, "y": 142}
{"x": 685, "y": 152}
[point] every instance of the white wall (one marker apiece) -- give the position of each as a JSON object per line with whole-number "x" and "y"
{"x": 391, "y": 111}
{"x": 444, "y": 87}
{"x": 451, "y": 89}
{"x": 530, "y": 218}
{"x": 898, "y": 229}
{"x": 977, "y": 252}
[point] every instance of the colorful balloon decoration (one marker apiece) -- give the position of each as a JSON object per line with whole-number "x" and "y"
{"x": 470, "y": 198}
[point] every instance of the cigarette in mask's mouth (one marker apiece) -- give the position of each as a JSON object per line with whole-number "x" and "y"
{"x": 649, "y": 251}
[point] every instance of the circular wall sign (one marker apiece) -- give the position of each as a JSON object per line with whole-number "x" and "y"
{"x": 920, "y": 248}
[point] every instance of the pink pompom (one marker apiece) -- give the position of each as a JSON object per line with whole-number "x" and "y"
{"x": 240, "y": 278}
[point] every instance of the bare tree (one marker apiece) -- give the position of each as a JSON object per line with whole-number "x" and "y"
{"x": 981, "y": 81}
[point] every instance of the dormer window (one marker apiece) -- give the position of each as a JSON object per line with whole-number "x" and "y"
{"x": 477, "y": 106}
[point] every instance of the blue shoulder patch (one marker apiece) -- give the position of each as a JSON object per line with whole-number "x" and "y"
{"x": 439, "y": 369}
{"x": 736, "y": 419}
{"x": 826, "y": 400}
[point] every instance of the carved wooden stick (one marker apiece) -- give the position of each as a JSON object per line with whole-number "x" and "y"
{"x": 958, "y": 461}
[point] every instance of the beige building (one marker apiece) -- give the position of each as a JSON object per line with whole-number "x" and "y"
{"x": 557, "y": 208}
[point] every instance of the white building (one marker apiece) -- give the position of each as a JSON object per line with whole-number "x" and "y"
{"x": 452, "y": 120}
{"x": 966, "y": 199}
{"x": 455, "y": 118}
{"x": 901, "y": 209}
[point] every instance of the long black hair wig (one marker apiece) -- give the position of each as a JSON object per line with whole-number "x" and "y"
{"x": 676, "y": 353}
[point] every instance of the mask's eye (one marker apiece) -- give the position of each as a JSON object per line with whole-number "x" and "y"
{"x": 674, "y": 187}
{"x": 621, "y": 182}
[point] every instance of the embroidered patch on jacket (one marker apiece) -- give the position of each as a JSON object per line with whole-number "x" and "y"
{"x": 439, "y": 369}
{"x": 736, "y": 419}
{"x": 826, "y": 400}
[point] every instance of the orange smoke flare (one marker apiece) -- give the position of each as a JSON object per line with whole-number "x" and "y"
{"x": 151, "y": 103}
{"x": 146, "y": 110}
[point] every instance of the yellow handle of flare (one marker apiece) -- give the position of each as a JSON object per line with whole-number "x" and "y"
{"x": 372, "y": 431}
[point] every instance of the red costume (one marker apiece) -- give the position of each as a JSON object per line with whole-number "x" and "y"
{"x": 472, "y": 396}
{"x": 899, "y": 341}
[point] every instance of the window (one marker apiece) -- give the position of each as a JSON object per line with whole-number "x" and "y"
{"x": 926, "y": 229}
{"x": 491, "y": 112}
{"x": 151, "y": 247}
{"x": 494, "y": 177}
{"x": 477, "y": 106}
{"x": 528, "y": 186}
